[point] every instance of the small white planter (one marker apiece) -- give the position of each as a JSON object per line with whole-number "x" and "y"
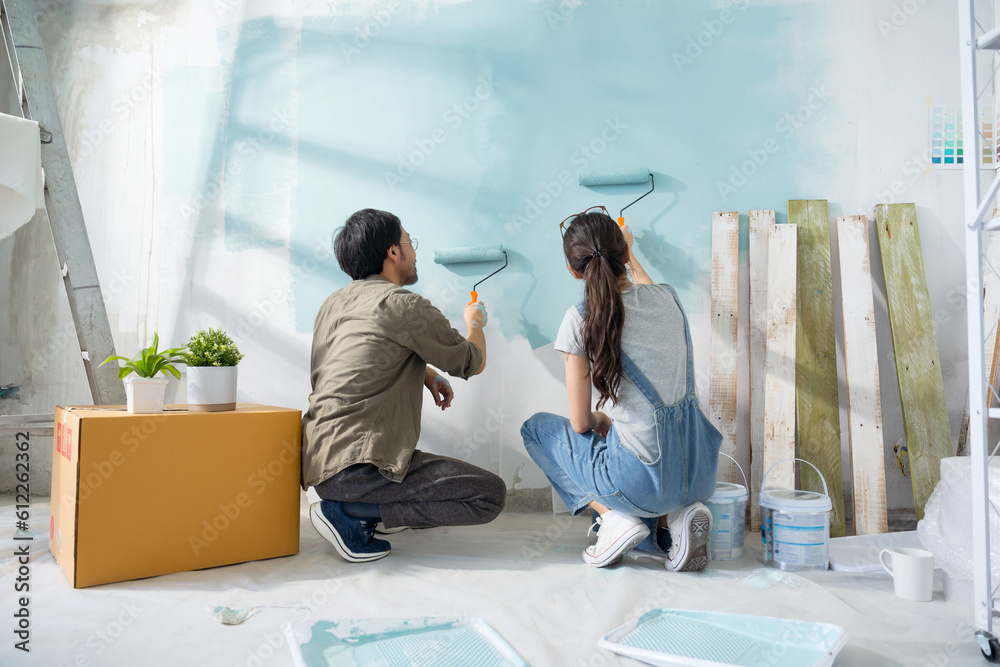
{"x": 211, "y": 388}
{"x": 145, "y": 395}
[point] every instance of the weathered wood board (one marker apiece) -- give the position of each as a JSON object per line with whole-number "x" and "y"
{"x": 760, "y": 223}
{"x": 817, "y": 407}
{"x": 864, "y": 404}
{"x": 918, "y": 367}
{"x": 779, "y": 379}
{"x": 725, "y": 308}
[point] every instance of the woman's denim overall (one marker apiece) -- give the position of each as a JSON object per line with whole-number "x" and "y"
{"x": 585, "y": 467}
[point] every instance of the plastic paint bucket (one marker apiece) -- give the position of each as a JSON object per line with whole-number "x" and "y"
{"x": 795, "y": 526}
{"x": 728, "y": 506}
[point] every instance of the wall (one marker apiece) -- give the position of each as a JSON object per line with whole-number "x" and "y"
{"x": 218, "y": 145}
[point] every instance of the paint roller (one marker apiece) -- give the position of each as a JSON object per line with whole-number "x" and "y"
{"x": 470, "y": 256}
{"x": 633, "y": 176}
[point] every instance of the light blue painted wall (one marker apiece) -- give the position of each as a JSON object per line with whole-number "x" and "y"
{"x": 321, "y": 119}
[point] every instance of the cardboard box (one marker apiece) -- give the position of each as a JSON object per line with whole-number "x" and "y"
{"x": 140, "y": 495}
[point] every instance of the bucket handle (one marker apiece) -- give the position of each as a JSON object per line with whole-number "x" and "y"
{"x": 738, "y": 466}
{"x": 826, "y": 491}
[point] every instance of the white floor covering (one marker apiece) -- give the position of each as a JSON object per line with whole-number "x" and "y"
{"x": 522, "y": 574}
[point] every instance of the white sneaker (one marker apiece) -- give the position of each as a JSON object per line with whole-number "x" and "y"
{"x": 690, "y": 531}
{"x": 619, "y": 533}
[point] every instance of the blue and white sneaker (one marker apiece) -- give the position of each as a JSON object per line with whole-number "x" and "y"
{"x": 352, "y": 538}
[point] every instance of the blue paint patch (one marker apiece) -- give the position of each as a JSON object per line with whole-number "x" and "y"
{"x": 259, "y": 140}
{"x": 230, "y": 164}
{"x": 471, "y": 122}
{"x": 458, "y": 642}
{"x": 395, "y": 122}
{"x": 194, "y": 103}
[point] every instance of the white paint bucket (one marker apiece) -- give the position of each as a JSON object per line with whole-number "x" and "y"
{"x": 795, "y": 525}
{"x": 728, "y": 506}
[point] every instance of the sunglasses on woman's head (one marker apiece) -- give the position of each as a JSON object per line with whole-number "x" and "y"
{"x": 592, "y": 209}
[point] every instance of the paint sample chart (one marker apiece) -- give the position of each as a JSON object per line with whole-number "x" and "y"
{"x": 946, "y": 136}
{"x": 946, "y": 140}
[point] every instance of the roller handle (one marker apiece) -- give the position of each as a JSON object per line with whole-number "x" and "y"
{"x": 475, "y": 294}
{"x": 621, "y": 214}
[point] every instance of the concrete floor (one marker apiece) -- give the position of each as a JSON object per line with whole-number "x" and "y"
{"x": 522, "y": 574}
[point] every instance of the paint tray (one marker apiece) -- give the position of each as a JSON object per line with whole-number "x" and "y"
{"x": 712, "y": 639}
{"x": 424, "y": 641}
{"x": 859, "y": 553}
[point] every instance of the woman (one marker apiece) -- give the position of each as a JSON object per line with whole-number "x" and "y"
{"x": 645, "y": 464}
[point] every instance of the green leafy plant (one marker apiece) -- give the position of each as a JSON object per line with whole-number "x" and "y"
{"x": 150, "y": 361}
{"x": 212, "y": 348}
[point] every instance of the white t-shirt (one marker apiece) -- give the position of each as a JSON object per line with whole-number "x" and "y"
{"x": 653, "y": 338}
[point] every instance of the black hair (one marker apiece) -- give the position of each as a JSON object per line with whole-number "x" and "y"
{"x": 362, "y": 243}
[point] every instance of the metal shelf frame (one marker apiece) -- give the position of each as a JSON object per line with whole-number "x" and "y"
{"x": 977, "y": 223}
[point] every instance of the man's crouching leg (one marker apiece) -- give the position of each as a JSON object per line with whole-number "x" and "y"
{"x": 436, "y": 491}
{"x": 442, "y": 491}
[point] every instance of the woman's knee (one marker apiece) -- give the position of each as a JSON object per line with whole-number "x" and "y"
{"x": 529, "y": 429}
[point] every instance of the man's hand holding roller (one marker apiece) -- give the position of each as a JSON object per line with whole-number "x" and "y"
{"x": 475, "y": 318}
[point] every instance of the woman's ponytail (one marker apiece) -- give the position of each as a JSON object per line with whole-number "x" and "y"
{"x": 594, "y": 247}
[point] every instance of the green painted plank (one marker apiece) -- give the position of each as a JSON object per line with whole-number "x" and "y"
{"x": 918, "y": 368}
{"x": 817, "y": 409}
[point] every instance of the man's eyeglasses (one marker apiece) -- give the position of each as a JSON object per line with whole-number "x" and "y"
{"x": 592, "y": 209}
{"x": 413, "y": 242}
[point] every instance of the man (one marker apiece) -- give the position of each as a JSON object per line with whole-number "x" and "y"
{"x": 372, "y": 342}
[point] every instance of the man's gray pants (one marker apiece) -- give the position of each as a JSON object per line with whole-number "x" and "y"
{"x": 436, "y": 491}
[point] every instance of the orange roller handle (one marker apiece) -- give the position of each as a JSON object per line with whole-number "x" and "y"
{"x": 475, "y": 296}
{"x": 621, "y": 222}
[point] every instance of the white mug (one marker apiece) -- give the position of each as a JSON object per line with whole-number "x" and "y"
{"x": 912, "y": 572}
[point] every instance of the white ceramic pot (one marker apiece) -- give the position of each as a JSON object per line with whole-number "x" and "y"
{"x": 145, "y": 396}
{"x": 211, "y": 388}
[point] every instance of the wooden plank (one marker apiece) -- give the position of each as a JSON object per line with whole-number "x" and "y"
{"x": 991, "y": 315}
{"x": 864, "y": 404}
{"x": 725, "y": 304}
{"x": 817, "y": 408}
{"x": 918, "y": 367}
{"x": 779, "y": 380}
{"x": 760, "y": 223}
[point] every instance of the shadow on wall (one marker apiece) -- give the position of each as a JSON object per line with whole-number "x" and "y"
{"x": 666, "y": 256}
{"x": 531, "y": 329}
{"x": 676, "y": 264}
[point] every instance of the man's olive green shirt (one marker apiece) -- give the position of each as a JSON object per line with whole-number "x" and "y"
{"x": 372, "y": 342}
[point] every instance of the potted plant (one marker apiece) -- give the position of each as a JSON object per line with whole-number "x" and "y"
{"x": 211, "y": 357}
{"x": 144, "y": 391}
